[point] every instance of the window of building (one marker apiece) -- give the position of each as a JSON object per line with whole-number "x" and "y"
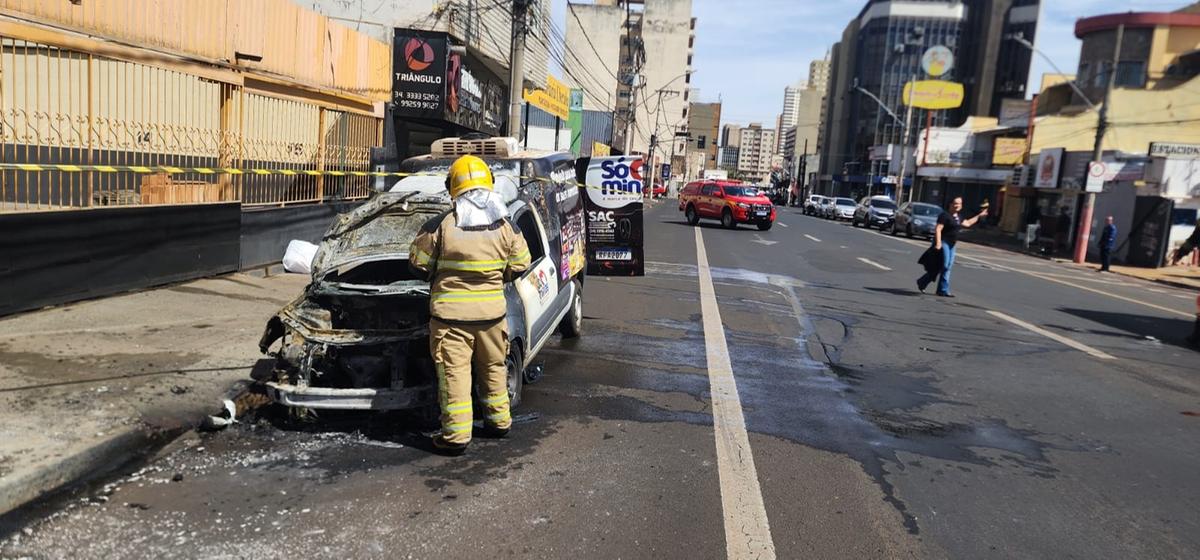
{"x": 685, "y": 112}
{"x": 1131, "y": 73}
{"x": 689, "y": 61}
{"x": 1101, "y": 76}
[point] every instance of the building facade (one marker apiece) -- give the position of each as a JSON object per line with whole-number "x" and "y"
{"x": 704, "y": 120}
{"x": 881, "y": 50}
{"x": 756, "y": 149}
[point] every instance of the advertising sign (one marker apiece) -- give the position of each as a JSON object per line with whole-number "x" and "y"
{"x": 937, "y": 60}
{"x": 666, "y": 171}
{"x": 474, "y": 97}
{"x": 613, "y": 191}
{"x": 555, "y": 99}
{"x": 599, "y": 149}
{"x": 1174, "y": 151}
{"x": 1008, "y": 151}
{"x": 933, "y": 94}
{"x": 1049, "y": 166}
{"x": 419, "y": 67}
{"x": 947, "y": 146}
{"x": 1015, "y": 112}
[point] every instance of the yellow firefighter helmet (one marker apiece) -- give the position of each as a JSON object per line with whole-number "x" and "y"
{"x": 469, "y": 172}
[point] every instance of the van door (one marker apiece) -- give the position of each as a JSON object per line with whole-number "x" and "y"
{"x": 538, "y": 286}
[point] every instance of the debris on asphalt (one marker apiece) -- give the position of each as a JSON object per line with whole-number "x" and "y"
{"x": 224, "y": 420}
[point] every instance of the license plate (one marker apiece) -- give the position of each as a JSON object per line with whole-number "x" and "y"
{"x": 617, "y": 255}
{"x": 761, "y": 213}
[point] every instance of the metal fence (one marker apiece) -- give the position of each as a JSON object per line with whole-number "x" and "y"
{"x": 65, "y": 107}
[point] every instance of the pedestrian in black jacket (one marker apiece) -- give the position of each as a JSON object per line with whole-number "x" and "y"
{"x": 1108, "y": 240}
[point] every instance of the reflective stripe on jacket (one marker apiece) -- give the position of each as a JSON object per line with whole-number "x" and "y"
{"x": 468, "y": 267}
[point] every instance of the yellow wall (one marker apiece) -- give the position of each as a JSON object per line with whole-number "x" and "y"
{"x": 294, "y": 43}
{"x": 1137, "y": 118}
{"x": 1169, "y": 43}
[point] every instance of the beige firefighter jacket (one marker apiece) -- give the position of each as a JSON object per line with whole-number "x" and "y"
{"x": 467, "y": 267}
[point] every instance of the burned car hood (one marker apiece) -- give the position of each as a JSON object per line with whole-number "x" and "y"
{"x": 381, "y": 229}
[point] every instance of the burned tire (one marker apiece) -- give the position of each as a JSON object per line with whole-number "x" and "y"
{"x": 516, "y": 374}
{"x": 572, "y": 322}
{"x": 692, "y": 217}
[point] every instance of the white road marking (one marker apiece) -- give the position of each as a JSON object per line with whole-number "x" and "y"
{"x": 873, "y": 263}
{"x": 844, "y": 247}
{"x": 781, "y": 224}
{"x": 1054, "y": 336}
{"x": 747, "y": 532}
{"x": 812, "y": 238}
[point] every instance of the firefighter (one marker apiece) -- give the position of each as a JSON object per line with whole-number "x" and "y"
{"x": 467, "y": 254}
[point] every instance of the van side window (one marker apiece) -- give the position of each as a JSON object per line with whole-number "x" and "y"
{"x": 709, "y": 190}
{"x": 533, "y": 236}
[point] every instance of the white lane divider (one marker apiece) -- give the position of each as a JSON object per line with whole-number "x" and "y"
{"x": 812, "y": 238}
{"x": 747, "y": 533}
{"x": 1054, "y": 336}
{"x": 782, "y": 224}
{"x": 873, "y": 263}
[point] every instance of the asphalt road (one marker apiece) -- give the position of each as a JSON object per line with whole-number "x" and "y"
{"x": 811, "y": 396}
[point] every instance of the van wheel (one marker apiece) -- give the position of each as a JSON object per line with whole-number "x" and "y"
{"x": 572, "y": 323}
{"x": 516, "y": 377}
{"x": 690, "y": 214}
{"x": 727, "y": 219}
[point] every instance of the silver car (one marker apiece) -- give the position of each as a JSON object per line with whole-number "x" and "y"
{"x": 842, "y": 209}
{"x": 916, "y": 218}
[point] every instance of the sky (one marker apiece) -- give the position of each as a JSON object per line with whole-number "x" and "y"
{"x": 747, "y": 51}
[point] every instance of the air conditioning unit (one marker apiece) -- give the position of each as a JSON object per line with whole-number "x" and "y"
{"x": 495, "y": 147}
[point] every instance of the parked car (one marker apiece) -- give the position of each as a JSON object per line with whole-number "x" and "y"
{"x": 813, "y": 204}
{"x": 659, "y": 190}
{"x": 358, "y": 338}
{"x": 842, "y": 209}
{"x": 730, "y": 202}
{"x": 875, "y": 211}
{"x": 825, "y": 210}
{"x": 916, "y": 218}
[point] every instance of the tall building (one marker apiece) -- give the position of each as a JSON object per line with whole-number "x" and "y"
{"x": 881, "y": 50}
{"x": 731, "y": 135}
{"x": 611, "y": 38}
{"x": 818, "y": 74}
{"x": 757, "y": 146}
{"x": 704, "y": 120}
{"x": 598, "y": 26}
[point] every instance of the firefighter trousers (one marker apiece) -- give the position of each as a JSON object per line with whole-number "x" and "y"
{"x": 457, "y": 351}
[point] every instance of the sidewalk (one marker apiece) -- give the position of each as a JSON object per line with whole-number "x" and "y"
{"x": 1187, "y": 277}
{"x": 86, "y": 387}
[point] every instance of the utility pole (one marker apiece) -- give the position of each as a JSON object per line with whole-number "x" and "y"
{"x": 516, "y": 69}
{"x": 650, "y": 162}
{"x": 1085, "y": 216}
{"x": 905, "y": 138}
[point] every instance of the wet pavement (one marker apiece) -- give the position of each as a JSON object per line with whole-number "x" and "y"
{"x": 883, "y": 424}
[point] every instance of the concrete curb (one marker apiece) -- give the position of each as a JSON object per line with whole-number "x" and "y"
{"x": 101, "y": 458}
{"x": 109, "y": 454}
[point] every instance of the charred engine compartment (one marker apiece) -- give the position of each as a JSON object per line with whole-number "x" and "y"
{"x": 353, "y": 341}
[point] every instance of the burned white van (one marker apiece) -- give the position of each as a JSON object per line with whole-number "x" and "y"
{"x": 358, "y": 338}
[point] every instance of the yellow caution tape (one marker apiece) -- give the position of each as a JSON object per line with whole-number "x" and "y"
{"x": 172, "y": 170}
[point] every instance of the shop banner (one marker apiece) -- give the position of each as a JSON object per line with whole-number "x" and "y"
{"x": 419, "y": 69}
{"x": 615, "y": 231}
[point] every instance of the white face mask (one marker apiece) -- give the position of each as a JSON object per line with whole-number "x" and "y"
{"x": 479, "y": 207}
